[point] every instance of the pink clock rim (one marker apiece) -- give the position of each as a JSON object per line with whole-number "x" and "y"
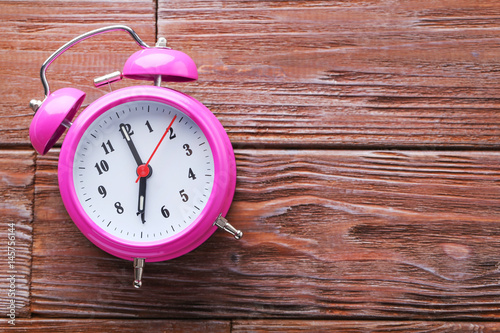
{"x": 220, "y": 199}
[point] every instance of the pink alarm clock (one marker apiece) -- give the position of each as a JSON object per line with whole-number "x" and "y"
{"x": 145, "y": 172}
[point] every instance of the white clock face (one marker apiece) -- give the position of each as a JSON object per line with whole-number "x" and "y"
{"x": 172, "y": 191}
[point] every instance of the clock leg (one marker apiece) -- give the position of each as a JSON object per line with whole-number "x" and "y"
{"x": 222, "y": 223}
{"x": 138, "y": 270}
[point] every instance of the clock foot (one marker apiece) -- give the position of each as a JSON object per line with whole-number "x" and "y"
{"x": 222, "y": 223}
{"x": 138, "y": 270}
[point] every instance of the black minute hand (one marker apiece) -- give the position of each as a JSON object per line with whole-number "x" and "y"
{"x": 130, "y": 143}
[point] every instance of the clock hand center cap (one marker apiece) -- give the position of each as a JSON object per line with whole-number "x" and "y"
{"x": 144, "y": 170}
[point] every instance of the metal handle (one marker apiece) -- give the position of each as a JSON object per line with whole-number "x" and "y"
{"x": 78, "y": 39}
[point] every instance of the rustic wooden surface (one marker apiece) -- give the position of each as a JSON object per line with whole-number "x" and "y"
{"x": 366, "y": 137}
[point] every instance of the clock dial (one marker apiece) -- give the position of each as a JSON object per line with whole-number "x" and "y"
{"x": 128, "y": 195}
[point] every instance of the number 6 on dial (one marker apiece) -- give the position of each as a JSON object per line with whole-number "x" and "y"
{"x": 130, "y": 192}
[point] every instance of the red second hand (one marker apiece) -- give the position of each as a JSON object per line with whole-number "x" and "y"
{"x": 143, "y": 170}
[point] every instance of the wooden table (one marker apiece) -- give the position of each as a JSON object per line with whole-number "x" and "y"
{"x": 366, "y": 138}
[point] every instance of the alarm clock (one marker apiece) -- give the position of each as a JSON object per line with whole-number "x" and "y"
{"x": 145, "y": 172}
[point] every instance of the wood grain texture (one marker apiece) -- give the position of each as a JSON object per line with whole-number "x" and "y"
{"x": 122, "y": 326}
{"x": 389, "y": 236}
{"x": 313, "y": 326}
{"x": 328, "y": 234}
{"x": 284, "y": 74}
{"x": 33, "y": 30}
{"x": 344, "y": 73}
{"x": 16, "y": 206}
{"x": 240, "y": 326}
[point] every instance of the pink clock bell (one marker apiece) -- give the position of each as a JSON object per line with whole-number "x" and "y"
{"x": 146, "y": 173}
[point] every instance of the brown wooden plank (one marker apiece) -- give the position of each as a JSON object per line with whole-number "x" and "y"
{"x": 344, "y": 73}
{"x": 17, "y": 172}
{"x": 353, "y": 74}
{"x": 328, "y": 234}
{"x": 121, "y": 326}
{"x": 295, "y": 326}
{"x": 32, "y": 30}
{"x": 240, "y": 326}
